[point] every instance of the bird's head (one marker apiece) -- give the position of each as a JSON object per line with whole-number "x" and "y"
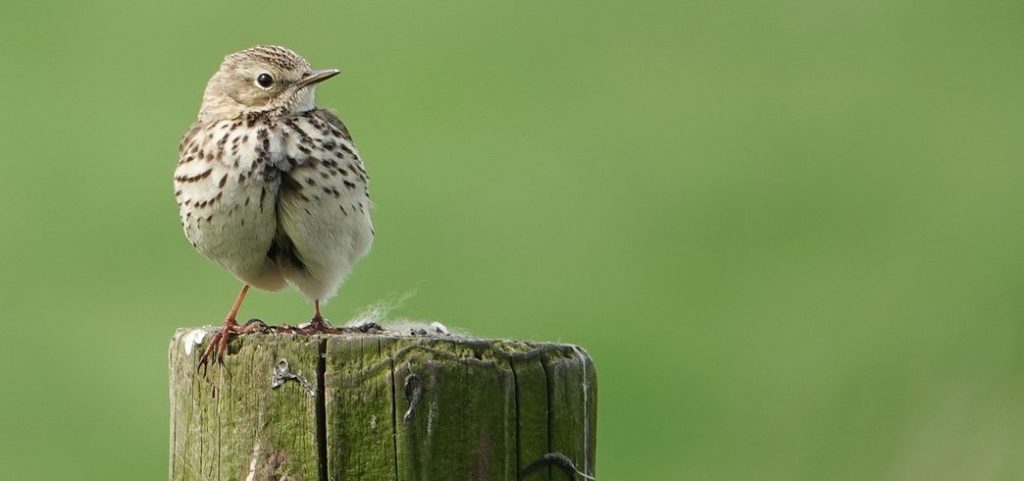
{"x": 262, "y": 78}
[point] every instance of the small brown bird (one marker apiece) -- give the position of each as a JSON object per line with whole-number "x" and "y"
{"x": 269, "y": 186}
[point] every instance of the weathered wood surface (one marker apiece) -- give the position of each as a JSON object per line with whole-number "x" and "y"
{"x": 382, "y": 407}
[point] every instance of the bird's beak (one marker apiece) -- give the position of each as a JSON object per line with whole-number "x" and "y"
{"x": 316, "y": 77}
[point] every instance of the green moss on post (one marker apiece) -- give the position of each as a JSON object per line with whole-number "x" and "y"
{"x": 224, "y": 420}
{"x": 382, "y": 407}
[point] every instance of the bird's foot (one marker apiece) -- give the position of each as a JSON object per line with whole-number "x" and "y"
{"x": 318, "y": 325}
{"x": 219, "y": 342}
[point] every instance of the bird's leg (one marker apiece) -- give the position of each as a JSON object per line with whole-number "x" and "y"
{"x": 318, "y": 324}
{"x": 219, "y": 341}
{"x": 318, "y": 318}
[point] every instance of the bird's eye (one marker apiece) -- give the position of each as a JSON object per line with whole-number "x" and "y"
{"x": 264, "y": 80}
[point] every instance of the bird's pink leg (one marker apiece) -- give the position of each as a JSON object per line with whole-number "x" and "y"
{"x": 317, "y": 324}
{"x": 220, "y": 339}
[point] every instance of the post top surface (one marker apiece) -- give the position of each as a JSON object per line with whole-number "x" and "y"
{"x": 407, "y": 334}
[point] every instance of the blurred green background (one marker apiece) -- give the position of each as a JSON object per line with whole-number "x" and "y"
{"x": 789, "y": 232}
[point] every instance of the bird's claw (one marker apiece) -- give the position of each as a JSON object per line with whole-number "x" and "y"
{"x": 318, "y": 325}
{"x": 219, "y": 341}
{"x": 215, "y": 344}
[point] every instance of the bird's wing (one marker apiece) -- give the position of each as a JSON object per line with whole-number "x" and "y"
{"x": 323, "y": 208}
{"x": 329, "y": 117}
{"x": 226, "y": 202}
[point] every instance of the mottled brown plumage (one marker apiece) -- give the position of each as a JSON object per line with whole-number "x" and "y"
{"x": 270, "y": 187}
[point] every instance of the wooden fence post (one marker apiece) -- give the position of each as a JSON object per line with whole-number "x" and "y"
{"x": 381, "y": 407}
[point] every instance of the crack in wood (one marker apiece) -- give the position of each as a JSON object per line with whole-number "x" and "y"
{"x": 413, "y": 388}
{"x": 551, "y": 394}
{"x": 321, "y": 410}
{"x": 517, "y": 402}
{"x": 394, "y": 413}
